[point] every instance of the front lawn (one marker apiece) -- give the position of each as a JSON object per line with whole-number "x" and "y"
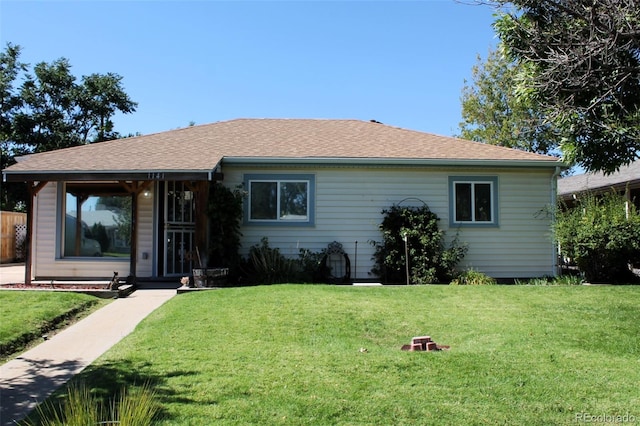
{"x": 27, "y": 315}
{"x": 305, "y": 354}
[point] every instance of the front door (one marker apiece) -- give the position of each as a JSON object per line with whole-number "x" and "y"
{"x": 179, "y": 230}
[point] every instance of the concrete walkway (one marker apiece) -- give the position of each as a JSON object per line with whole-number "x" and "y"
{"x": 35, "y": 374}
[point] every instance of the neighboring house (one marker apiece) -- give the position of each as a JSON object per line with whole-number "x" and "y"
{"x": 625, "y": 181}
{"x": 308, "y": 183}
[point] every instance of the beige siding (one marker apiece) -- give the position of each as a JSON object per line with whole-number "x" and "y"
{"x": 144, "y": 267}
{"x": 47, "y": 265}
{"x": 349, "y": 203}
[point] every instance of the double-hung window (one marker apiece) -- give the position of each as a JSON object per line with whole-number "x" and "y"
{"x": 473, "y": 201}
{"x": 280, "y": 199}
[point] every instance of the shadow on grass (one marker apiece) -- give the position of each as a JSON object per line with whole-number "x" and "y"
{"x": 107, "y": 382}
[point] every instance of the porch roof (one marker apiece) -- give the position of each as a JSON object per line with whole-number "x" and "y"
{"x": 194, "y": 153}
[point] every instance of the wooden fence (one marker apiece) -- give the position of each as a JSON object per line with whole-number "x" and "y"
{"x": 8, "y": 243}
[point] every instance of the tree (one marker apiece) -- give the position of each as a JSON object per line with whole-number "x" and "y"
{"x": 100, "y": 97}
{"x": 46, "y": 119}
{"x": 51, "y": 110}
{"x": 581, "y": 60}
{"x": 10, "y": 102}
{"x": 494, "y": 113}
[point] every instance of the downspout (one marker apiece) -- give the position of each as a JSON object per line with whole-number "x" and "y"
{"x": 554, "y": 202}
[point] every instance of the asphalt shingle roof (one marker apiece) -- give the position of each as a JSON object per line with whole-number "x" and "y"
{"x": 202, "y": 147}
{"x": 594, "y": 181}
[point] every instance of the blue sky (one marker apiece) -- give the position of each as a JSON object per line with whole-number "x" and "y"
{"x": 399, "y": 62}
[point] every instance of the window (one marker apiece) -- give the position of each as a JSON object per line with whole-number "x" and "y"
{"x": 280, "y": 199}
{"x": 97, "y": 221}
{"x": 473, "y": 201}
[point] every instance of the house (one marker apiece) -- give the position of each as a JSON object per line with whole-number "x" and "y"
{"x": 625, "y": 181}
{"x": 308, "y": 183}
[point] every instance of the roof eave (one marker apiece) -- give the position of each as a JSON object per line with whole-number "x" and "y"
{"x": 393, "y": 162}
{"x": 111, "y": 175}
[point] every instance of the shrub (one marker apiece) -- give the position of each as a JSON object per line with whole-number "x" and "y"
{"x": 602, "y": 236}
{"x": 311, "y": 267}
{"x": 225, "y": 215}
{"x": 81, "y": 407}
{"x": 266, "y": 265}
{"x": 429, "y": 260}
{"x": 473, "y": 277}
{"x": 564, "y": 280}
{"x": 568, "y": 279}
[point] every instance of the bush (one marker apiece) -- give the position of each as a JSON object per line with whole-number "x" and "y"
{"x": 473, "y": 277}
{"x": 225, "y": 215}
{"x": 311, "y": 267}
{"x": 602, "y": 236}
{"x": 81, "y": 407}
{"x": 562, "y": 280}
{"x": 266, "y": 265}
{"x": 429, "y": 260}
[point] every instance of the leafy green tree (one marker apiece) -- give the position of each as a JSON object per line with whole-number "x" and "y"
{"x": 50, "y": 110}
{"x": 580, "y": 60}
{"x": 492, "y": 111}
{"x": 45, "y": 121}
{"x": 100, "y": 96}
{"x": 12, "y": 195}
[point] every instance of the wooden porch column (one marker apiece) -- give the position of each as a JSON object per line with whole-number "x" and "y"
{"x": 32, "y": 189}
{"x": 201, "y": 192}
{"x": 134, "y": 234}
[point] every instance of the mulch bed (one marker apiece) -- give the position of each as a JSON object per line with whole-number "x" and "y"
{"x": 56, "y": 286}
{"x": 99, "y": 290}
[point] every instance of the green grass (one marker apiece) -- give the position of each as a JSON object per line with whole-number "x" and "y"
{"x": 27, "y": 315}
{"x": 291, "y": 354}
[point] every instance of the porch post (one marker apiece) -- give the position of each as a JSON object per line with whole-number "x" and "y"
{"x": 32, "y": 190}
{"x": 28, "y": 237}
{"x": 201, "y": 219}
{"x": 134, "y": 233}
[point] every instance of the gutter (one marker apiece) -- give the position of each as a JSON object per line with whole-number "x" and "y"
{"x": 413, "y": 162}
{"x": 554, "y": 202}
